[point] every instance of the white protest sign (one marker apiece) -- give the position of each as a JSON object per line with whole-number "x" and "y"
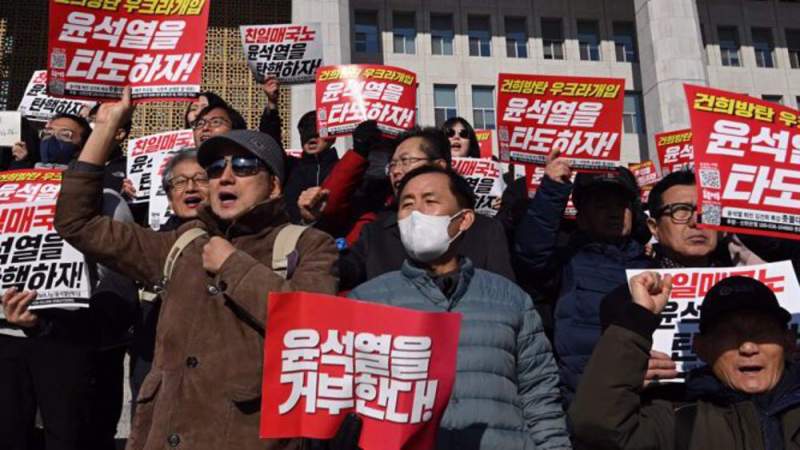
{"x": 291, "y": 52}
{"x": 486, "y": 178}
{"x": 37, "y": 105}
{"x": 141, "y": 152}
{"x": 680, "y": 318}
{"x": 10, "y": 128}
{"x": 159, "y": 210}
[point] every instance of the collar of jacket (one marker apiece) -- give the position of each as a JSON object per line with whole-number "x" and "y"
{"x": 629, "y": 248}
{"x": 329, "y": 155}
{"x": 420, "y": 278}
{"x": 260, "y": 219}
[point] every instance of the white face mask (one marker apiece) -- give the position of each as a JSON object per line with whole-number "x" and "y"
{"x": 425, "y": 237}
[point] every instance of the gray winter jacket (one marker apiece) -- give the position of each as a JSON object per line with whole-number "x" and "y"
{"x": 506, "y": 392}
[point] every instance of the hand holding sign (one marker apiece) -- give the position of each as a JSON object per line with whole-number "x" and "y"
{"x": 15, "y": 308}
{"x": 557, "y": 169}
{"x": 114, "y": 114}
{"x": 271, "y": 87}
{"x": 651, "y": 291}
{"x": 659, "y": 367}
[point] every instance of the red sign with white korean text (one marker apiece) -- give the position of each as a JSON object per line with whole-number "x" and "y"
{"x": 349, "y": 95}
{"x": 646, "y": 177}
{"x": 328, "y": 356}
{"x": 96, "y": 48}
{"x": 580, "y": 116}
{"x": 675, "y": 151}
{"x": 485, "y": 141}
{"x": 747, "y": 163}
{"x": 534, "y": 175}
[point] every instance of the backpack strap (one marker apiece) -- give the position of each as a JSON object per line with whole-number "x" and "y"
{"x": 183, "y": 240}
{"x": 284, "y": 252}
{"x": 685, "y": 416}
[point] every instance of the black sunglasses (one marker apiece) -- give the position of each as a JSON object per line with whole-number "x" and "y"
{"x": 463, "y": 133}
{"x": 242, "y": 166}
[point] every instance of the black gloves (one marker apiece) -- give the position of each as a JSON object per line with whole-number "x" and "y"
{"x": 366, "y": 137}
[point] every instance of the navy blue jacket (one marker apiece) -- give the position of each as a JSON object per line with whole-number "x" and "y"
{"x": 580, "y": 273}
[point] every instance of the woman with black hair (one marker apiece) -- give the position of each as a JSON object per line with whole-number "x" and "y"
{"x": 463, "y": 142}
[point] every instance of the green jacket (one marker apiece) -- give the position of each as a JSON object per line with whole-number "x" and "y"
{"x": 608, "y": 412}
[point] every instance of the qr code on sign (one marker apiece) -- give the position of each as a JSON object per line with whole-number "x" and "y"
{"x": 711, "y": 215}
{"x": 710, "y": 179}
{"x": 58, "y": 59}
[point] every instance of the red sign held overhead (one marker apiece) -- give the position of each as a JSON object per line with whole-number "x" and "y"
{"x": 747, "y": 163}
{"x": 675, "y": 151}
{"x": 485, "y": 141}
{"x": 581, "y": 117}
{"x": 97, "y": 48}
{"x": 349, "y": 95}
{"x": 328, "y": 356}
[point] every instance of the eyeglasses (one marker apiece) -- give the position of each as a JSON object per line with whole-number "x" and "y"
{"x": 62, "y": 134}
{"x": 462, "y": 133}
{"x": 242, "y": 166}
{"x": 404, "y": 162}
{"x": 180, "y": 183}
{"x": 678, "y": 212}
{"x": 214, "y": 122}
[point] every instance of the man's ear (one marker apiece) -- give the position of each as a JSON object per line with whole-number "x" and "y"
{"x": 467, "y": 219}
{"x": 652, "y": 225}
{"x": 277, "y": 187}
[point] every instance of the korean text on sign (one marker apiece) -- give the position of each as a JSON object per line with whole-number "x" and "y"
{"x": 291, "y": 53}
{"x": 32, "y": 255}
{"x": 37, "y": 105}
{"x": 675, "y": 151}
{"x": 747, "y": 163}
{"x": 534, "y": 176}
{"x": 681, "y": 317}
{"x": 141, "y": 154}
{"x": 646, "y": 178}
{"x": 486, "y": 178}
{"x": 96, "y": 48}
{"x": 393, "y": 367}
{"x": 349, "y": 95}
{"x": 579, "y": 116}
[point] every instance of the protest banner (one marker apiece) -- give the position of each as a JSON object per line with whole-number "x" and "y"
{"x": 486, "y": 178}
{"x": 328, "y": 356}
{"x": 10, "y": 128}
{"x": 746, "y": 155}
{"x": 37, "y": 105}
{"x": 580, "y": 116}
{"x": 32, "y": 254}
{"x": 97, "y": 48}
{"x": 534, "y": 176}
{"x": 158, "y": 203}
{"x": 675, "y": 151}
{"x": 646, "y": 177}
{"x": 681, "y": 317}
{"x": 141, "y": 152}
{"x": 348, "y": 95}
{"x": 485, "y": 142}
{"x": 291, "y": 53}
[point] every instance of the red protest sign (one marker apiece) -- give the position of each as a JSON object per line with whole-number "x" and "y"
{"x": 747, "y": 153}
{"x": 327, "y": 356}
{"x": 484, "y": 138}
{"x": 675, "y": 151}
{"x": 349, "y": 95}
{"x": 580, "y": 116}
{"x": 97, "y": 48}
{"x": 534, "y": 175}
{"x": 646, "y": 177}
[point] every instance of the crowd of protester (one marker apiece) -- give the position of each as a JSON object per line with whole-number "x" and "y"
{"x": 555, "y": 345}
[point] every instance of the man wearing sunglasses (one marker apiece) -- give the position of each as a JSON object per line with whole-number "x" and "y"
{"x": 204, "y": 389}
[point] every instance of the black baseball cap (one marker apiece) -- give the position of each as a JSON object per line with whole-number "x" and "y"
{"x": 740, "y": 294}
{"x": 619, "y": 177}
{"x": 261, "y": 145}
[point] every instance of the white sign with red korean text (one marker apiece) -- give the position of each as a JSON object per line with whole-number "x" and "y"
{"x": 141, "y": 154}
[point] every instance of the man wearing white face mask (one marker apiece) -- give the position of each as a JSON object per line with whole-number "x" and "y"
{"x": 506, "y": 389}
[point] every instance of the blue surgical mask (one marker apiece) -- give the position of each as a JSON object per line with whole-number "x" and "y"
{"x": 54, "y": 151}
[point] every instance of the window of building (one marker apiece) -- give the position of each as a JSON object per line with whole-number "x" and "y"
{"x": 404, "y": 32}
{"x": 625, "y": 42}
{"x": 778, "y": 99}
{"x": 444, "y": 103}
{"x": 365, "y": 28}
{"x": 764, "y": 47}
{"x": 483, "y": 107}
{"x": 516, "y": 37}
{"x": 480, "y": 36}
{"x": 633, "y": 114}
{"x": 729, "y": 46}
{"x": 589, "y": 40}
{"x": 793, "y": 45}
{"x": 553, "y": 38}
{"x": 442, "y": 34}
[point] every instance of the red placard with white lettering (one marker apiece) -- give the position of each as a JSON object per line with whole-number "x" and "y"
{"x": 580, "y": 116}
{"x": 328, "y": 356}
{"x": 747, "y": 163}
{"x": 534, "y": 175}
{"x": 485, "y": 139}
{"x": 675, "y": 151}
{"x": 97, "y": 48}
{"x": 646, "y": 177}
{"x": 348, "y": 95}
